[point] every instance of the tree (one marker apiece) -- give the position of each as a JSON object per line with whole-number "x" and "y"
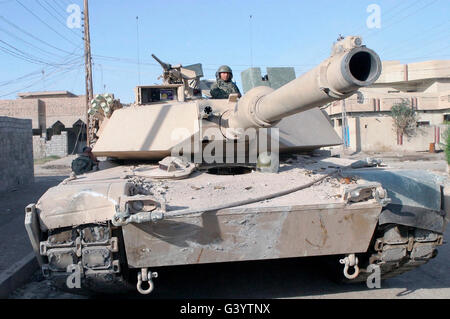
{"x": 405, "y": 118}
{"x": 446, "y": 145}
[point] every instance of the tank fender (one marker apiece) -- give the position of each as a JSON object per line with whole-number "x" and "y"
{"x": 418, "y": 199}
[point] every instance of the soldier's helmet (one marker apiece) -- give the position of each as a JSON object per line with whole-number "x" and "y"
{"x": 224, "y": 69}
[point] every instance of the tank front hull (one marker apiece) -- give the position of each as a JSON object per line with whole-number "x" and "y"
{"x": 253, "y": 234}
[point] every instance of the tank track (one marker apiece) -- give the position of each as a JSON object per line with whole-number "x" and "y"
{"x": 398, "y": 249}
{"x": 96, "y": 249}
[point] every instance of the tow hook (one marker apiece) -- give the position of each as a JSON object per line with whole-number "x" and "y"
{"x": 350, "y": 261}
{"x": 146, "y": 275}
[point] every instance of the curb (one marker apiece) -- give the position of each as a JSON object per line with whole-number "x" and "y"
{"x": 17, "y": 275}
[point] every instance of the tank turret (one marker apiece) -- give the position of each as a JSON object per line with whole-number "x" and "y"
{"x": 166, "y": 116}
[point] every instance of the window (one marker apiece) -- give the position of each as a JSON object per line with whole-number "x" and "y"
{"x": 423, "y": 123}
{"x": 446, "y": 117}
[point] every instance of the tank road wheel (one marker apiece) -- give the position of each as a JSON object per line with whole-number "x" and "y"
{"x": 86, "y": 260}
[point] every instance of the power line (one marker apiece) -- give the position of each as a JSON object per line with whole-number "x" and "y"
{"x": 55, "y": 73}
{"x": 29, "y": 43}
{"x": 43, "y": 22}
{"x": 36, "y": 74}
{"x": 5, "y": 83}
{"x": 392, "y": 14}
{"x": 415, "y": 38}
{"x": 56, "y": 10}
{"x": 20, "y": 54}
{"x": 133, "y": 61}
{"x": 402, "y": 19}
{"x": 27, "y": 56}
{"x": 359, "y": 30}
{"x": 57, "y": 19}
{"x": 32, "y": 36}
{"x": 58, "y": 4}
{"x": 68, "y": 3}
{"x": 68, "y": 61}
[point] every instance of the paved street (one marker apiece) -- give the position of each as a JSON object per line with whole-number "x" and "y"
{"x": 296, "y": 278}
{"x": 15, "y": 244}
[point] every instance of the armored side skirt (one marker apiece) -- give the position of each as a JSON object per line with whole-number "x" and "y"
{"x": 253, "y": 234}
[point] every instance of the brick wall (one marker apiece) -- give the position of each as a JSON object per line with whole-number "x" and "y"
{"x": 24, "y": 109}
{"x": 44, "y": 112}
{"x": 67, "y": 110}
{"x": 16, "y": 156}
{"x": 57, "y": 146}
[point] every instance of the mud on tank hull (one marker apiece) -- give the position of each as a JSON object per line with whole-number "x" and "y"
{"x": 76, "y": 231}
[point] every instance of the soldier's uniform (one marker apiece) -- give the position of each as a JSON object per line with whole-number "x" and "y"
{"x": 222, "y": 89}
{"x": 85, "y": 162}
{"x": 82, "y": 164}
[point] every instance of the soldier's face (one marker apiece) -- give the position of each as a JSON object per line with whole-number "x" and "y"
{"x": 225, "y": 76}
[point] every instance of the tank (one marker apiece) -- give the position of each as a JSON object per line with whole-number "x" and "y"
{"x": 193, "y": 180}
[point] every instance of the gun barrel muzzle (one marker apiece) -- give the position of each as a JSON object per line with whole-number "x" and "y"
{"x": 336, "y": 78}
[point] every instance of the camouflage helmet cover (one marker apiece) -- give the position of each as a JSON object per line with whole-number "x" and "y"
{"x": 224, "y": 69}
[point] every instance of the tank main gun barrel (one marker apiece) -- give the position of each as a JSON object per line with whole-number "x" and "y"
{"x": 350, "y": 67}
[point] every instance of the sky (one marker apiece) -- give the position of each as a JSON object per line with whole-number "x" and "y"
{"x": 38, "y": 51}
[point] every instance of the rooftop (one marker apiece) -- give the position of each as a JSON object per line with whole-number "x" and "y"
{"x": 45, "y": 94}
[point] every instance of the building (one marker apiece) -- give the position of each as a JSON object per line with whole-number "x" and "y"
{"x": 58, "y": 120}
{"x": 425, "y": 85}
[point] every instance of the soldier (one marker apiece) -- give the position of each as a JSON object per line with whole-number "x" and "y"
{"x": 85, "y": 162}
{"x": 224, "y": 86}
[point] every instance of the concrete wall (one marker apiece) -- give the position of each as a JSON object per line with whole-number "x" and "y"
{"x": 394, "y": 71}
{"x": 16, "y": 156}
{"x": 377, "y": 134}
{"x": 56, "y": 146}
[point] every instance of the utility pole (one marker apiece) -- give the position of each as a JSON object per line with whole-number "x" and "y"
{"x": 88, "y": 64}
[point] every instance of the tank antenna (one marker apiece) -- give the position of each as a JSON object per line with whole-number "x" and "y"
{"x": 251, "y": 41}
{"x": 138, "y": 54}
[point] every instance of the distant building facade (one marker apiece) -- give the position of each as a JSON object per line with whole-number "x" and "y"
{"x": 58, "y": 120}
{"x": 425, "y": 85}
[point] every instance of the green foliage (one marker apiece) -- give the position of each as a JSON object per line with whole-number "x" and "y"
{"x": 405, "y": 118}
{"x": 447, "y": 144}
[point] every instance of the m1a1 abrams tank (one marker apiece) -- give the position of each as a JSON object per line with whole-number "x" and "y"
{"x": 193, "y": 180}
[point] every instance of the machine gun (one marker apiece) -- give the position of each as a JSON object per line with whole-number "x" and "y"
{"x": 177, "y": 74}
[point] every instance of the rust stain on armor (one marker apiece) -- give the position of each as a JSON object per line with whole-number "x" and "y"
{"x": 199, "y": 255}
